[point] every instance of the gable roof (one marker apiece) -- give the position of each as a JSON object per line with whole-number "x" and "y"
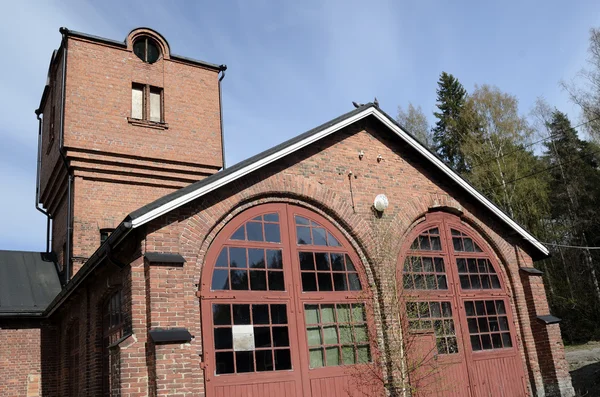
{"x": 183, "y": 196}
{"x": 28, "y": 282}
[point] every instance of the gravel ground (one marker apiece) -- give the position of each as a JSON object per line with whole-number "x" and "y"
{"x": 584, "y": 362}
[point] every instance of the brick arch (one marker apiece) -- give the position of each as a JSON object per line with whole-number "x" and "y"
{"x": 159, "y": 38}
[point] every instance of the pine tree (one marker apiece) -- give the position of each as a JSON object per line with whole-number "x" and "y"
{"x": 450, "y": 129}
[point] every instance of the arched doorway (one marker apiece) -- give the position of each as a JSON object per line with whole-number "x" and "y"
{"x": 458, "y": 314}
{"x": 283, "y": 300}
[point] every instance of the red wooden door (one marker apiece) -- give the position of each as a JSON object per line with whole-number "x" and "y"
{"x": 283, "y": 310}
{"x": 476, "y": 354}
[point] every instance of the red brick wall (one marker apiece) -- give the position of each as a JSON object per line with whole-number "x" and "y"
{"x": 20, "y": 358}
{"x": 120, "y": 166}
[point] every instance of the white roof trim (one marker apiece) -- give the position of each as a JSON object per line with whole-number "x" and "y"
{"x": 175, "y": 203}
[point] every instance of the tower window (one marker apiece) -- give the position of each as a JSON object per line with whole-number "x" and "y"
{"x": 147, "y": 103}
{"x": 146, "y": 49}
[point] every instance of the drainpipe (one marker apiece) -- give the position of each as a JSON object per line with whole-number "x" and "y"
{"x": 37, "y": 181}
{"x": 61, "y": 149}
{"x": 222, "y": 70}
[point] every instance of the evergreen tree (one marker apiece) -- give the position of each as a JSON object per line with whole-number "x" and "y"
{"x": 450, "y": 129}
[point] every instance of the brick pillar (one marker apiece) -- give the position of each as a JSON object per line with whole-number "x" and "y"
{"x": 547, "y": 340}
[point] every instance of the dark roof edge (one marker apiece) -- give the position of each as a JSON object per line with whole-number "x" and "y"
{"x": 22, "y": 313}
{"x": 164, "y": 257}
{"x": 122, "y": 44}
{"x": 90, "y": 265}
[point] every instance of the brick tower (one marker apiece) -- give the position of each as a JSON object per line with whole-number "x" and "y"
{"x": 121, "y": 124}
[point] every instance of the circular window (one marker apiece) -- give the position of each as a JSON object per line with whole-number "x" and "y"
{"x": 146, "y": 49}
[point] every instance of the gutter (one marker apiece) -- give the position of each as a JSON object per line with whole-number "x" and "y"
{"x": 222, "y": 70}
{"x": 37, "y": 181}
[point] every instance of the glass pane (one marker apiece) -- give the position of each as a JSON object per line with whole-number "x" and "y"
{"x": 333, "y": 355}
{"x": 274, "y": 260}
{"x": 239, "y": 279}
{"x": 155, "y": 113}
{"x": 241, "y": 314}
{"x": 244, "y": 362}
{"x": 462, "y": 265}
{"x": 237, "y": 257}
{"x": 272, "y": 234}
{"x": 260, "y": 314}
{"x": 364, "y": 354}
{"x": 485, "y": 282}
{"x": 496, "y": 341}
{"x": 506, "y": 340}
{"x": 224, "y": 363}
{"x": 452, "y": 345}
{"x": 283, "y": 359}
{"x": 303, "y": 234}
{"x": 222, "y": 259}
{"x": 435, "y": 309}
{"x": 337, "y": 262}
{"x": 354, "y": 282}
{"x": 220, "y": 280}
{"x": 262, "y": 337}
{"x": 330, "y": 335}
{"x": 442, "y": 283}
{"x": 258, "y": 280}
{"x": 256, "y": 258}
{"x": 428, "y": 265}
{"x": 480, "y": 308}
{"x": 325, "y": 282}
{"x": 339, "y": 282}
{"x": 274, "y": 217}
{"x": 446, "y": 309}
{"x": 470, "y": 308}
{"x": 278, "y": 314}
{"x": 255, "y": 231}
{"x": 343, "y": 313}
{"x": 419, "y": 281}
{"x": 316, "y": 358}
{"x": 348, "y": 355}
{"x": 307, "y": 261}
{"x": 281, "y": 337}
{"x": 424, "y": 243}
{"x": 309, "y": 282}
{"x": 442, "y": 347}
{"x": 346, "y": 334}
{"x": 439, "y": 265}
{"x": 319, "y": 236}
{"x": 503, "y": 323}
{"x": 153, "y": 52}
{"x": 495, "y": 282}
{"x": 430, "y": 281}
{"x": 314, "y": 336}
{"x": 322, "y": 260}
{"x": 300, "y": 220}
{"x": 457, "y": 243}
{"x": 407, "y": 282}
{"x": 475, "y": 282}
{"x": 139, "y": 49}
{"x": 264, "y": 360}
{"x": 361, "y": 333}
{"x": 349, "y": 264}
{"x": 468, "y": 245}
{"x": 486, "y": 341}
{"x": 221, "y": 314}
{"x": 464, "y": 282}
{"x": 417, "y": 264}
{"x": 332, "y": 241}
{"x": 358, "y": 313}
{"x": 473, "y": 326}
{"x": 490, "y": 307}
{"x": 483, "y": 324}
{"x": 239, "y": 234}
{"x": 472, "y": 265}
{"x": 311, "y": 314}
{"x": 258, "y": 218}
{"x": 327, "y": 315}
{"x": 500, "y": 307}
{"x": 475, "y": 342}
{"x": 276, "y": 281}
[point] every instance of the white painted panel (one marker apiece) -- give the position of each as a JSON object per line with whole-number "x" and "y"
{"x": 137, "y": 103}
{"x": 155, "y": 106}
{"x": 243, "y": 337}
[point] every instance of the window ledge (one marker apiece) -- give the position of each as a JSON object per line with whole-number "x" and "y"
{"x": 147, "y": 123}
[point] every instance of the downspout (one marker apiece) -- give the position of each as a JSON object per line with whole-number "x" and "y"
{"x": 37, "y": 180}
{"x": 61, "y": 149}
{"x": 222, "y": 70}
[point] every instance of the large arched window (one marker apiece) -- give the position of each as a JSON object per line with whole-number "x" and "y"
{"x": 457, "y": 306}
{"x": 283, "y": 302}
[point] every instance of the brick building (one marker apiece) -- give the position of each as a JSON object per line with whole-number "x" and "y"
{"x": 347, "y": 261}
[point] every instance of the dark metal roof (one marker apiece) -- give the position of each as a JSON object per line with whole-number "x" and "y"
{"x": 164, "y": 257}
{"x": 28, "y": 282}
{"x": 170, "y": 335}
{"x": 549, "y": 319}
{"x": 532, "y": 271}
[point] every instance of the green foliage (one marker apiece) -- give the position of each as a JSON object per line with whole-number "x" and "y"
{"x": 451, "y": 128}
{"x": 415, "y": 122}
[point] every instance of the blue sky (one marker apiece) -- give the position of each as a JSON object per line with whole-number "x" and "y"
{"x": 292, "y": 65}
